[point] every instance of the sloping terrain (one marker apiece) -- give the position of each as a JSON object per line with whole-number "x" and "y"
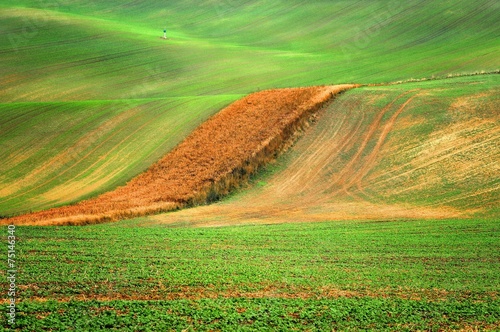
{"x": 77, "y": 65}
{"x": 420, "y": 150}
{"x": 227, "y": 47}
{"x": 416, "y": 150}
{"x": 91, "y": 96}
{"x": 215, "y": 158}
{"x": 59, "y": 153}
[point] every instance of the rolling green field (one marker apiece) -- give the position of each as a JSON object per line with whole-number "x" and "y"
{"x": 91, "y": 96}
{"x": 87, "y": 146}
{"x": 110, "y": 54}
{"x": 110, "y": 49}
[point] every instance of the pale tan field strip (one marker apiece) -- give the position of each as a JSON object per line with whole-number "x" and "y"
{"x": 282, "y": 291}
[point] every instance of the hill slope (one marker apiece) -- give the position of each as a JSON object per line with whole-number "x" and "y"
{"x": 65, "y": 62}
{"x": 217, "y": 157}
{"x": 112, "y": 50}
{"x": 58, "y": 153}
{"x": 419, "y": 150}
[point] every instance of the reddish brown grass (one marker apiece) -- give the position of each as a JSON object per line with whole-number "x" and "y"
{"x": 217, "y": 157}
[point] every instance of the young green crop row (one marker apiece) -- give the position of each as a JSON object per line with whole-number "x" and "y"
{"x": 435, "y": 259}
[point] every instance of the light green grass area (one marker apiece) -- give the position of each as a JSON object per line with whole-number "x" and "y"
{"x": 394, "y": 275}
{"x": 102, "y": 50}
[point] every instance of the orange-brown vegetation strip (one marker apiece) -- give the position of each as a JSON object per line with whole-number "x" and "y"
{"x": 217, "y": 157}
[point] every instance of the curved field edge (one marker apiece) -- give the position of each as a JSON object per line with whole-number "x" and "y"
{"x": 56, "y": 154}
{"x": 217, "y": 157}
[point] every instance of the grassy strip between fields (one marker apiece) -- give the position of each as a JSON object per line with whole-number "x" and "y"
{"x": 259, "y": 315}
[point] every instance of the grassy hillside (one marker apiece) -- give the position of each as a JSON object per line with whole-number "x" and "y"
{"x": 217, "y": 157}
{"x": 416, "y": 150}
{"x": 105, "y": 50}
{"x": 59, "y": 152}
{"x": 58, "y": 58}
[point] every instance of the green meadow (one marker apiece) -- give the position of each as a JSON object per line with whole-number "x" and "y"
{"x": 111, "y": 50}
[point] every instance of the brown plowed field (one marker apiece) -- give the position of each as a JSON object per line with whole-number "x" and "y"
{"x": 373, "y": 155}
{"x": 217, "y": 157}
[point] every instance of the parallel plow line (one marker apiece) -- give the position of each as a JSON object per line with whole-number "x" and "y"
{"x": 348, "y": 175}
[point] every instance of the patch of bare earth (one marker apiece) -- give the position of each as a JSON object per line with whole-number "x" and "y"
{"x": 259, "y": 290}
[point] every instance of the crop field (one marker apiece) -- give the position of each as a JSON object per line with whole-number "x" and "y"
{"x": 269, "y": 166}
{"x": 401, "y": 275}
{"x": 84, "y": 147}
